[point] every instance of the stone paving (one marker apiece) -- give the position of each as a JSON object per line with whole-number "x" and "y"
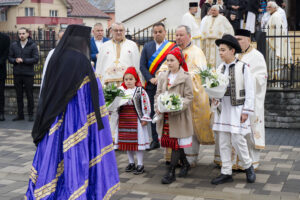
{"x": 277, "y": 178}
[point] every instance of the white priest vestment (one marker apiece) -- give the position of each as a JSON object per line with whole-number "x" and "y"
{"x": 191, "y": 21}
{"x": 214, "y": 28}
{"x": 227, "y": 124}
{"x": 255, "y": 140}
{"x": 114, "y": 58}
{"x": 279, "y": 47}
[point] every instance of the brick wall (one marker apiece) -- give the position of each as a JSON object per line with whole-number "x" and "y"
{"x": 282, "y": 109}
{"x": 11, "y": 100}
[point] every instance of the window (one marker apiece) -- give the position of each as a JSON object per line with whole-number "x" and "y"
{"x": 3, "y": 15}
{"x": 29, "y": 12}
{"x": 53, "y": 13}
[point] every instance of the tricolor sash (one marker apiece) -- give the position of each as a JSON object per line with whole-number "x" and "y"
{"x": 159, "y": 56}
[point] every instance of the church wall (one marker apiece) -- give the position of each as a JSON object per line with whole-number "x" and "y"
{"x": 171, "y": 10}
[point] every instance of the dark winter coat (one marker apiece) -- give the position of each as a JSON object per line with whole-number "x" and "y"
{"x": 29, "y": 54}
{"x": 4, "y": 49}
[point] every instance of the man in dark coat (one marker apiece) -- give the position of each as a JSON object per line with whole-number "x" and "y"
{"x": 4, "y": 48}
{"x": 253, "y": 8}
{"x": 23, "y": 54}
{"x": 153, "y": 51}
{"x": 237, "y": 8}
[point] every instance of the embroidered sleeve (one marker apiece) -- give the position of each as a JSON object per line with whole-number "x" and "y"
{"x": 249, "y": 89}
{"x": 146, "y": 106}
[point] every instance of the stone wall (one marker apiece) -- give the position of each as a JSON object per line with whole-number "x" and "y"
{"x": 282, "y": 109}
{"x": 11, "y": 100}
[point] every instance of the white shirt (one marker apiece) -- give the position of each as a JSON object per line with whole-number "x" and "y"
{"x": 172, "y": 77}
{"x": 23, "y": 44}
{"x": 99, "y": 43}
{"x": 158, "y": 45}
{"x": 229, "y": 120}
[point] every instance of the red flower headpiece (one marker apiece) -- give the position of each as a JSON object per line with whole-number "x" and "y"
{"x": 132, "y": 70}
{"x": 178, "y": 54}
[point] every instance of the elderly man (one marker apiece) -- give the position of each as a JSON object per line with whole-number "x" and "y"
{"x": 189, "y": 19}
{"x": 153, "y": 55}
{"x": 215, "y": 27}
{"x": 196, "y": 61}
{"x": 279, "y": 47}
{"x": 116, "y": 55}
{"x": 97, "y": 41}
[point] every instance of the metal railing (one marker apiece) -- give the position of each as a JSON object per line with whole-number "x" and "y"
{"x": 282, "y": 53}
{"x": 283, "y": 72}
{"x": 45, "y": 41}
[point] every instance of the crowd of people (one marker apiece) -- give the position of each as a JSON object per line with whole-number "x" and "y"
{"x": 75, "y": 139}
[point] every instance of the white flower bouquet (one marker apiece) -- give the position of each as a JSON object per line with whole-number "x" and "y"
{"x": 214, "y": 83}
{"x": 167, "y": 102}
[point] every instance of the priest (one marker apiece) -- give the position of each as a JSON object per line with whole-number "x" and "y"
{"x": 278, "y": 47}
{"x": 215, "y": 27}
{"x": 116, "y": 55}
{"x": 189, "y": 19}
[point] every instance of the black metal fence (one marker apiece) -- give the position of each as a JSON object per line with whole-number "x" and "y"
{"x": 283, "y": 72}
{"x": 282, "y": 52}
{"x": 45, "y": 41}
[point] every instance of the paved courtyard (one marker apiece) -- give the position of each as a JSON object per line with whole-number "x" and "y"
{"x": 277, "y": 178}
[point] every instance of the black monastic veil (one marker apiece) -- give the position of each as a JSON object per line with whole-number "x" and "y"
{"x": 68, "y": 66}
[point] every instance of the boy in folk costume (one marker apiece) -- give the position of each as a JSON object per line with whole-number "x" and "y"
{"x": 175, "y": 128}
{"x": 132, "y": 134}
{"x": 233, "y": 124}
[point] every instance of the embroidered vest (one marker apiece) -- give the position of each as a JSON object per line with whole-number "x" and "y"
{"x": 137, "y": 102}
{"x": 236, "y": 86}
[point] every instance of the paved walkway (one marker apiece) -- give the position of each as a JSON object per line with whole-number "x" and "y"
{"x": 277, "y": 178}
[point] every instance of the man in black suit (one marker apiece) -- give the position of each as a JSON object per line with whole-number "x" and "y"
{"x": 158, "y": 47}
{"x": 4, "y": 49}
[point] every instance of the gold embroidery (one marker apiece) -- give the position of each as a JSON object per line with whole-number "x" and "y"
{"x": 111, "y": 191}
{"x": 57, "y": 125}
{"x": 85, "y": 81}
{"x": 50, "y": 187}
{"x": 104, "y": 151}
{"x": 80, "y": 191}
{"x": 33, "y": 175}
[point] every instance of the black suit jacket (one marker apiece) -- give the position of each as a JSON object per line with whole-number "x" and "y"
{"x": 4, "y": 49}
{"x": 148, "y": 50}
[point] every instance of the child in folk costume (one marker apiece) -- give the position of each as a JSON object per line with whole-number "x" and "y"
{"x": 175, "y": 128}
{"x": 132, "y": 134}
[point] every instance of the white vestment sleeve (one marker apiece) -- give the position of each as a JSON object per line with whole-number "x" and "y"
{"x": 249, "y": 91}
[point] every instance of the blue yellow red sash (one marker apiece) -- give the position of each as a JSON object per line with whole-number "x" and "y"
{"x": 159, "y": 56}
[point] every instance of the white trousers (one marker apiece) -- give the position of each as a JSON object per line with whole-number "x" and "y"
{"x": 226, "y": 142}
{"x": 193, "y": 151}
{"x": 250, "y": 24}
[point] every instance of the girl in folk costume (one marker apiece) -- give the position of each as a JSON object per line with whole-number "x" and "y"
{"x": 175, "y": 128}
{"x": 132, "y": 134}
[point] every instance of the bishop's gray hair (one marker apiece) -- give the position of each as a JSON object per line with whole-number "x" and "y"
{"x": 215, "y": 7}
{"x": 118, "y": 23}
{"x": 187, "y": 29}
{"x": 273, "y": 4}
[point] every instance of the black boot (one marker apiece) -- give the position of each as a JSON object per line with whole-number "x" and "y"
{"x": 185, "y": 164}
{"x": 170, "y": 176}
{"x": 250, "y": 174}
{"x": 130, "y": 167}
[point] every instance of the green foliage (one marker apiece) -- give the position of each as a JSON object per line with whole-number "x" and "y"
{"x": 111, "y": 91}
